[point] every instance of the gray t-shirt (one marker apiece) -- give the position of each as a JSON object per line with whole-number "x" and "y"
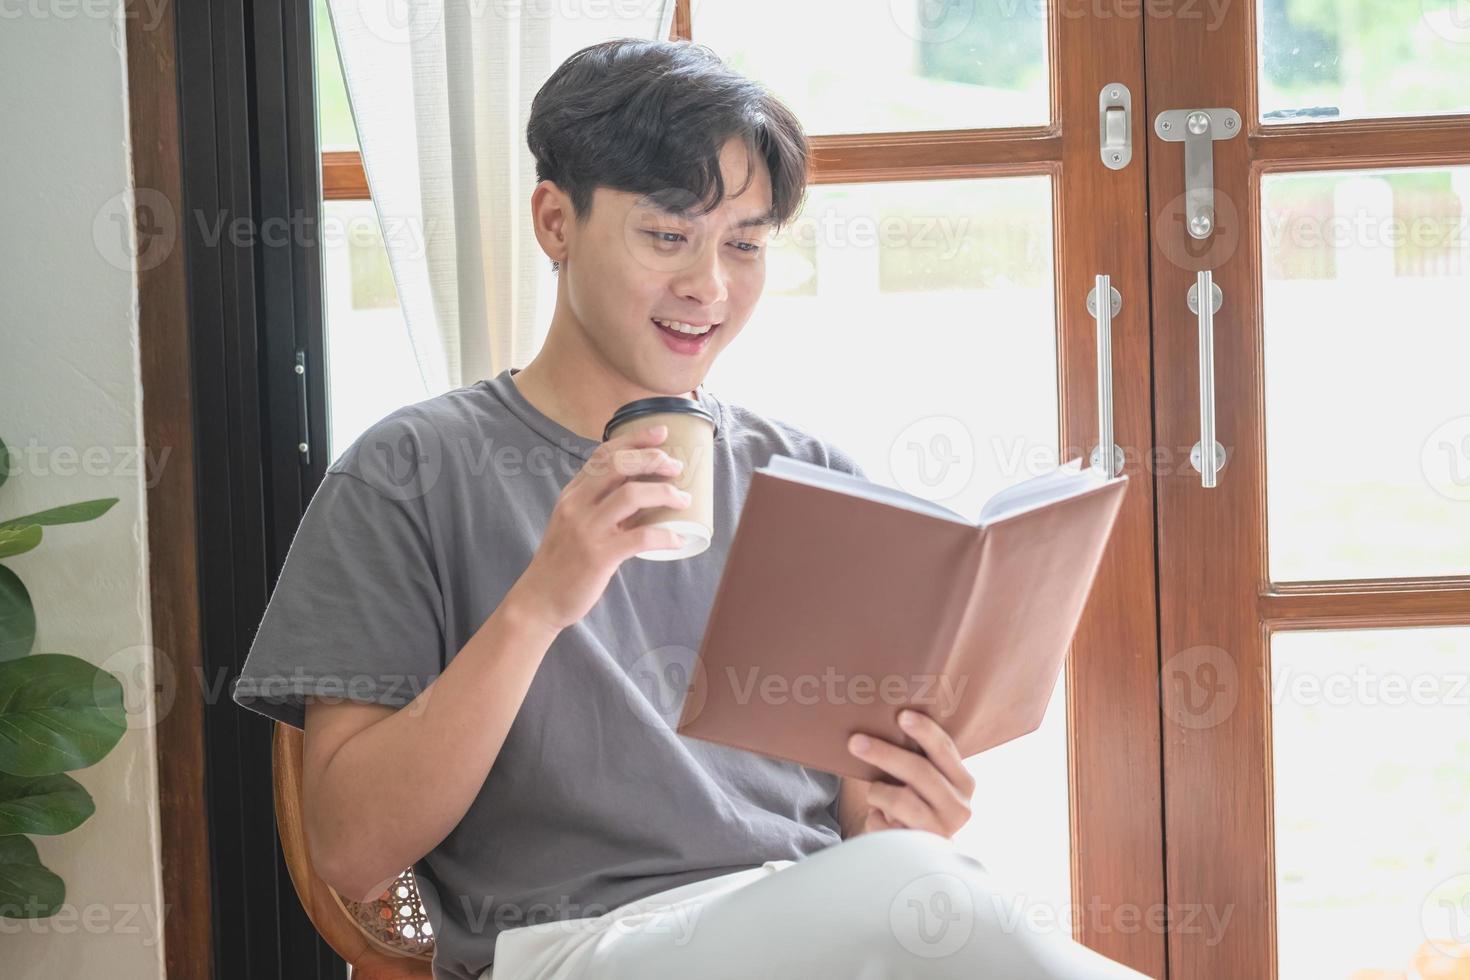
{"x": 416, "y": 534}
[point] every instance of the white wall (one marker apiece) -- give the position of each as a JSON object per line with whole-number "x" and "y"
{"x": 70, "y": 411}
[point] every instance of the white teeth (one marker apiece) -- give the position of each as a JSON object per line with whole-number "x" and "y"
{"x": 684, "y": 327}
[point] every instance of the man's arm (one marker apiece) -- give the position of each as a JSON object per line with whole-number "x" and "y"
{"x": 374, "y": 804}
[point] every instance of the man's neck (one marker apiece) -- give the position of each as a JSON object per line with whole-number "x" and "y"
{"x": 580, "y": 398}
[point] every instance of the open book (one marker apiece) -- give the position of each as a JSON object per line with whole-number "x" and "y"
{"x": 843, "y": 602}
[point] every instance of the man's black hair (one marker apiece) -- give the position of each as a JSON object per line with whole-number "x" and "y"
{"x": 651, "y": 117}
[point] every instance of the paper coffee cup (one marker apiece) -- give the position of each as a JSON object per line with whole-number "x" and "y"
{"x": 691, "y": 439}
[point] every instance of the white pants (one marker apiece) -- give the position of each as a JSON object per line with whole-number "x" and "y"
{"x": 892, "y": 904}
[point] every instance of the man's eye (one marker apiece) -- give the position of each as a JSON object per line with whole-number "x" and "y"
{"x": 666, "y": 237}
{"x": 749, "y": 248}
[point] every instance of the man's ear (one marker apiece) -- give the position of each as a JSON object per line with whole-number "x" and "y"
{"x": 551, "y": 214}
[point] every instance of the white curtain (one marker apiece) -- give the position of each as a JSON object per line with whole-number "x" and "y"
{"x": 441, "y": 91}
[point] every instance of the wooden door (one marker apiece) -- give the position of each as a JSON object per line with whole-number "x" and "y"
{"x": 1314, "y": 603}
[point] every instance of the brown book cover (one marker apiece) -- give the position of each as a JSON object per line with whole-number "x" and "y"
{"x": 843, "y": 602}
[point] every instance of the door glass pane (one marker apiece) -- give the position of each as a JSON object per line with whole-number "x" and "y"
{"x": 371, "y": 367}
{"x": 1367, "y": 342}
{"x": 1371, "y": 756}
{"x": 1350, "y": 59}
{"x": 894, "y": 65}
{"x": 912, "y": 325}
{"x": 335, "y": 130}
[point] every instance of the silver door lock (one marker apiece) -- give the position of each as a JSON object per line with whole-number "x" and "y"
{"x": 1197, "y": 129}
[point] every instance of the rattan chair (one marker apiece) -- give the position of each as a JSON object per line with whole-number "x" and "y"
{"x": 385, "y": 939}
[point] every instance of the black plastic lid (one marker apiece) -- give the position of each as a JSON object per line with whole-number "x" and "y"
{"x": 650, "y": 406}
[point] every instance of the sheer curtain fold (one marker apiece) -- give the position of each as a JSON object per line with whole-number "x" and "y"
{"x": 440, "y": 92}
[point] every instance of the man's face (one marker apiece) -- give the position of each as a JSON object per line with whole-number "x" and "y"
{"x": 633, "y": 262}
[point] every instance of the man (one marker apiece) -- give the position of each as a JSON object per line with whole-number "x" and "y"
{"x": 461, "y": 634}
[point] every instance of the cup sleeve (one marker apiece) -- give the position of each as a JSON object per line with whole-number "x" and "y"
{"x": 357, "y": 613}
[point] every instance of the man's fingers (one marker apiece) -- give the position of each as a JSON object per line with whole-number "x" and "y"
{"x": 877, "y": 821}
{"x": 941, "y": 750}
{"x": 631, "y": 454}
{"x": 915, "y": 772}
{"x": 628, "y": 499}
{"x": 902, "y": 805}
{"x": 641, "y": 539}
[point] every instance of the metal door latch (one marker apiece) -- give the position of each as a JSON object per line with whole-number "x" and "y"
{"x": 1197, "y": 129}
{"x": 1115, "y": 125}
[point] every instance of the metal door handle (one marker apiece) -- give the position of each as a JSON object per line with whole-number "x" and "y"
{"x": 1208, "y": 464}
{"x": 1111, "y": 463}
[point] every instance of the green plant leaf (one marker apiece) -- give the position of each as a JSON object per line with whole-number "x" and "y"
{"x": 87, "y": 510}
{"x": 18, "y": 540}
{"x": 17, "y": 617}
{"x": 4, "y": 463}
{"x": 42, "y": 804}
{"x": 57, "y": 713}
{"x": 28, "y": 889}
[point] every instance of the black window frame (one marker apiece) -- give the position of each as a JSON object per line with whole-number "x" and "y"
{"x": 250, "y": 223}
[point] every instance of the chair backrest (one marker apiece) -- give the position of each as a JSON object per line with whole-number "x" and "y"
{"x": 388, "y": 938}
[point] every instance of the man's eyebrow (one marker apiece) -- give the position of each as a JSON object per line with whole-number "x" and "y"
{"x": 760, "y": 219}
{"x": 653, "y": 203}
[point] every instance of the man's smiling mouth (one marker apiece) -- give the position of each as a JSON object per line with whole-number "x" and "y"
{"x": 683, "y": 338}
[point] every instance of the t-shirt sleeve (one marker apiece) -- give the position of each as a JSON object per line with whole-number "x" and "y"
{"x": 357, "y": 613}
{"x": 841, "y": 461}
